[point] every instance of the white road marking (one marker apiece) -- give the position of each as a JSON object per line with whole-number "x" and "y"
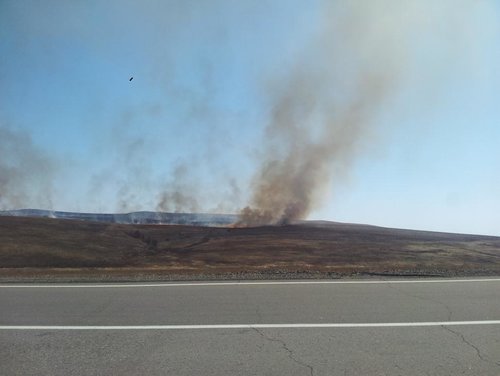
{"x": 248, "y": 326}
{"x": 264, "y": 283}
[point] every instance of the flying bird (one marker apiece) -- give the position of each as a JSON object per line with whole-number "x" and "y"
{"x": 131, "y": 78}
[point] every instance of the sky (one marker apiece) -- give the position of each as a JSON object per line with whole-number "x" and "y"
{"x": 381, "y": 112}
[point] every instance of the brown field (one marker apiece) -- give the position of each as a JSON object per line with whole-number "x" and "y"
{"x": 43, "y": 247}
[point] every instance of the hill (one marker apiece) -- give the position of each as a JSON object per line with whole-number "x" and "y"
{"x": 30, "y": 246}
{"x": 140, "y": 217}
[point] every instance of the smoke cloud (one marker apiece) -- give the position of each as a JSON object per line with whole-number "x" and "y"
{"x": 180, "y": 136}
{"x": 179, "y": 196}
{"x": 323, "y": 109}
{"x": 26, "y": 172}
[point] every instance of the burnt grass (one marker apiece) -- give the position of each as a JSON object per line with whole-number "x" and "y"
{"x": 31, "y": 246}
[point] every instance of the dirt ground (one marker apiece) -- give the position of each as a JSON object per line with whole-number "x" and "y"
{"x": 55, "y": 249}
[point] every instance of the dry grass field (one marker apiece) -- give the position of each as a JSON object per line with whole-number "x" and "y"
{"x": 36, "y": 246}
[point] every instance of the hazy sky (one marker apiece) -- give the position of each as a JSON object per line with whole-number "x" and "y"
{"x": 192, "y": 130}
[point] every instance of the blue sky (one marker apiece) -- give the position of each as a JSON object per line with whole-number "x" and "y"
{"x": 194, "y": 118}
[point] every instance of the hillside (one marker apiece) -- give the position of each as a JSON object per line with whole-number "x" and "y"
{"x": 140, "y": 217}
{"x": 35, "y": 245}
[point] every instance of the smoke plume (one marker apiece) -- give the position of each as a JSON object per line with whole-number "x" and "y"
{"x": 26, "y": 173}
{"x": 179, "y": 197}
{"x": 184, "y": 134}
{"x": 323, "y": 109}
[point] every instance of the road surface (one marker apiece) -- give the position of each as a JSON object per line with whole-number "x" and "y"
{"x": 366, "y": 327}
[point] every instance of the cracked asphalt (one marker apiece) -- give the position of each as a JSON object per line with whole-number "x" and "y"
{"x": 434, "y": 350}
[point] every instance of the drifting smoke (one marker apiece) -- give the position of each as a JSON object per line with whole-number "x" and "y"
{"x": 322, "y": 102}
{"x": 178, "y": 197}
{"x": 324, "y": 108}
{"x": 26, "y": 173}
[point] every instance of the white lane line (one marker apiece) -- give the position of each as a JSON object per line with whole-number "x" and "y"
{"x": 248, "y": 326}
{"x": 265, "y": 283}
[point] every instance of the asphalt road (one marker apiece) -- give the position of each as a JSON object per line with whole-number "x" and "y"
{"x": 264, "y": 328}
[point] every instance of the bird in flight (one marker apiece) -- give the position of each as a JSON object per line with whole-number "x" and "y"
{"x": 131, "y": 78}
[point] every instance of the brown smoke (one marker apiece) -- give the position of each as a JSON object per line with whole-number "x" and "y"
{"x": 322, "y": 101}
{"x": 26, "y": 172}
{"x": 324, "y": 107}
{"x": 178, "y": 196}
